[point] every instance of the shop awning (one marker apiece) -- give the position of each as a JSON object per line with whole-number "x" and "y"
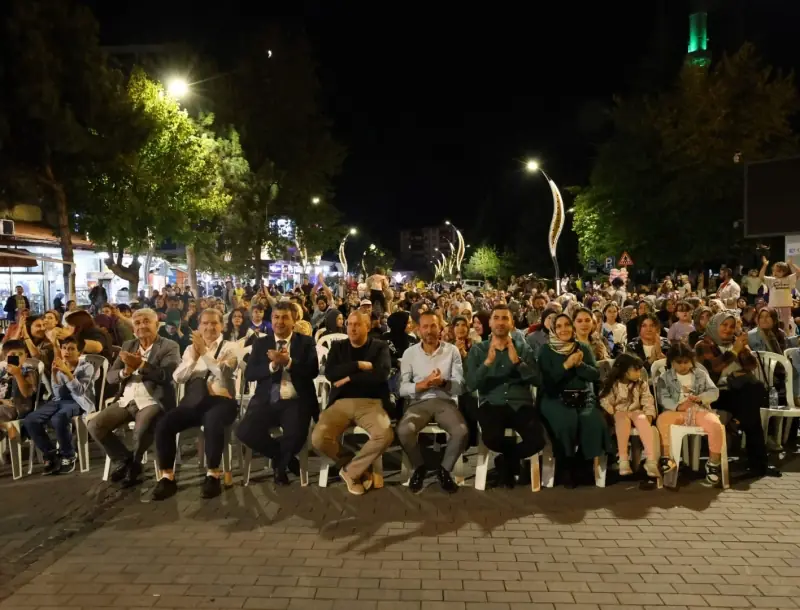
{"x": 20, "y": 257}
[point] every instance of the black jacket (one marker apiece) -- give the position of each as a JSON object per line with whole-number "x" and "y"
{"x": 11, "y": 306}
{"x": 341, "y": 364}
{"x": 304, "y": 370}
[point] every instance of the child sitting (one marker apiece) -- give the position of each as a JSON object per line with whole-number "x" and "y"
{"x": 681, "y": 329}
{"x": 18, "y": 384}
{"x": 685, "y": 391}
{"x": 627, "y": 398}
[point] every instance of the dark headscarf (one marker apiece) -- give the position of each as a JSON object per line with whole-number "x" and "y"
{"x": 484, "y": 318}
{"x": 330, "y": 322}
{"x": 397, "y": 334}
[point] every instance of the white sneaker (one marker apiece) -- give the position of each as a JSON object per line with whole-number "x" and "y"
{"x": 651, "y": 468}
{"x": 625, "y": 468}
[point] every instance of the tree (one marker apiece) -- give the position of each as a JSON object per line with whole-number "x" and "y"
{"x": 485, "y": 262}
{"x": 61, "y": 106}
{"x": 666, "y": 177}
{"x": 165, "y": 189}
{"x": 273, "y": 97}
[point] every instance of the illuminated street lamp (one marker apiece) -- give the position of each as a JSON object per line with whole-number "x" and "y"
{"x": 177, "y": 88}
{"x": 556, "y": 223}
{"x": 315, "y": 200}
{"x": 458, "y": 253}
{"x": 342, "y": 257}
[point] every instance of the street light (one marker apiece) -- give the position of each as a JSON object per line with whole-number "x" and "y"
{"x": 556, "y": 223}
{"x": 458, "y": 253}
{"x": 177, "y": 88}
{"x": 315, "y": 200}
{"x": 342, "y": 257}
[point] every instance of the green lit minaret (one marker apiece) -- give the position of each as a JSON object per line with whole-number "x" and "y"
{"x": 698, "y": 34}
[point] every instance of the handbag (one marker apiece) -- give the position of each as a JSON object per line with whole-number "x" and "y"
{"x": 196, "y": 390}
{"x": 574, "y": 399}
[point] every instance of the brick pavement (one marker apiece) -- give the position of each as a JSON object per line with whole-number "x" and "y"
{"x": 297, "y": 548}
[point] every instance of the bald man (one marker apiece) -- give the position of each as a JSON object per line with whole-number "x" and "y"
{"x": 358, "y": 370}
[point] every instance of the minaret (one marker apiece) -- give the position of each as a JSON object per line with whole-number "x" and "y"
{"x": 698, "y": 34}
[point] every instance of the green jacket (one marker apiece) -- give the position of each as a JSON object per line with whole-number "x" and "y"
{"x": 503, "y": 382}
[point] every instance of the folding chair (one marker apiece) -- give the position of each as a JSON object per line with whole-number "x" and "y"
{"x": 81, "y": 431}
{"x": 327, "y": 340}
{"x": 15, "y": 445}
{"x": 782, "y": 412}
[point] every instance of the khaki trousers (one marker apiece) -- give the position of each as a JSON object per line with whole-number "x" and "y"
{"x": 366, "y": 413}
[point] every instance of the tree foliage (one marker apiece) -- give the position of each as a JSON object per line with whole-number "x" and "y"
{"x": 486, "y": 262}
{"x": 667, "y": 177}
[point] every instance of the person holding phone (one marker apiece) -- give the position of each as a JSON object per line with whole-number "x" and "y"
{"x": 18, "y": 383}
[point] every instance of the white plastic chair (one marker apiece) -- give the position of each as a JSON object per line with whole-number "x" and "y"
{"x": 81, "y": 431}
{"x": 15, "y": 445}
{"x": 322, "y": 357}
{"x": 327, "y": 340}
{"x": 599, "y": 467}
{"x": 485, "y": 454}
{"x": 789, "y": 411}
{"x": 406, "y": 469}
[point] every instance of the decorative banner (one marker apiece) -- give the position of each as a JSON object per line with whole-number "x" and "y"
{"x": 557, "y": 223}
{"x": 342, "y": 257}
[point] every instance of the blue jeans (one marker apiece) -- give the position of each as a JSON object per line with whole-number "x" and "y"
{"x": 59, "y": 413}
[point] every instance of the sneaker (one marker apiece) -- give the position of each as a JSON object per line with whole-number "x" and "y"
{"x": 52, "y": 466}
{"x": 353, "y": 486}
{"x": 165, "y": 488}
{"x": 68, "y": 465}
{"x": 120, "y": 472}
{"x": 446, "y": 482}
{"x": 211, "y": 487}
{"x": 625, "y": 468}
{"x": 367, "y": 480}
{"x": 651, "y": 468}
{"x": 713, "y": 474}
{"x": 417, "y": 480}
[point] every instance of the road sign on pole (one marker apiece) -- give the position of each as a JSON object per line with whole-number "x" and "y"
{"x": 592, "y": 266}
{"x": 609, "y": 265}
{"x": 625, "y": 260}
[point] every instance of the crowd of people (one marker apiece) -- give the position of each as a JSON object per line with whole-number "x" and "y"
{"x": 474, "y": 362}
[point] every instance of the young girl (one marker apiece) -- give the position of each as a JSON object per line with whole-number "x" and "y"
{"x": 627, "y": 398}
{"x": 780, "y": 285}
{"x": 681, "y": 330}
{"x": 685, "y": 391}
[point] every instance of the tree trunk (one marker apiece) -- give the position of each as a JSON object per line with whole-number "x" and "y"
{"x": 148, "y": 262}
{"x": 257, "y": 266}
{"x": 191, "y": 269}
{"x": 130, "y": 273}
{"x": 64, "y": 232}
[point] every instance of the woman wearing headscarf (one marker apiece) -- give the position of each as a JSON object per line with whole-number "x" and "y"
{"x": 568, "y": 402}
{"x": 480, "y": 327}
{"x": 541, "y": 336}
{"x": 397, "y": 337}
{"x": 700, "y": 316}
{"x": 632, "y": 325}
{"x": 768, "y": 337}
{"x": 333, "y": 323}
{"x": 731, "y": 364}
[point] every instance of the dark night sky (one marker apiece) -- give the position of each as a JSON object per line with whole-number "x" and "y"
{"x": 438, "y": 110}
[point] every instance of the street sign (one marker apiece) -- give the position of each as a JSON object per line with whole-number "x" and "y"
{"x": 625, "y": 260}
{"x": 609, "y": 265}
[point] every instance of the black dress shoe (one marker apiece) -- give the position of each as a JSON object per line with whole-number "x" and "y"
{"x": 281, "y": 478}
{"x": 211, "y": 488}
{"x": 120, "y": 472}
{"x": 446, "y": 481}
{"x": 294, "y": 466}
{"x": 52, "y": 466}
{"x": 165, "y": 488}
{"x": 417, "y": 480}
{"x": 134, "y": 475}
{"x": 764, "y": 471}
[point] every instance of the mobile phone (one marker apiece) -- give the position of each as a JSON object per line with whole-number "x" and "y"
{"x": 13, "y": 360}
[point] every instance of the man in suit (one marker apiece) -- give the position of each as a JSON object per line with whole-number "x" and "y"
{"x": 359, "y": 371}
{"x": 143, "y": 371}
{"x": 284, "y": 365}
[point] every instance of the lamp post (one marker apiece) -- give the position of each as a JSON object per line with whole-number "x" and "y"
{"x": 342, "y": 256}
{"x": 557, "y": 222}
{"x": 458, "y": 253}
{"x": 372, "y": 248}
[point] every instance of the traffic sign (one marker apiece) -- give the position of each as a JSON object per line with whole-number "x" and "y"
{"x": 625, "y": 260}
{"x": 592, "y": 266}
{"x": 609, "y": 265}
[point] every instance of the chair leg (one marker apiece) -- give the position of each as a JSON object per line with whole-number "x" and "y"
{"x": 685, "y": 449}
{"x": 107, "y": 469}
{"x": 247, "y": 460}
{"x": 636, "y": 454}
{"x": 696, "y": 440}
{"x": 458, "y": 471}
{"x": 323, "y": 472}
{"x": 786, "y": 429}
{"x": 779, "y": 431}
{"x": 726, "y": 481}
{"x": 15, "y": 447}
{"x": 482, "y": 468}
{"x": 600, "y": 467}
{"x": 536, "y": 473}
{"x": 227, "y": 459}
{"x": 405, "y": 469}
{"x": 548, "y": 466}
{"x": 82, "y": 434}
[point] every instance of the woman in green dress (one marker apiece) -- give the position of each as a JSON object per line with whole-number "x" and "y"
{"x": 568, "y": 371}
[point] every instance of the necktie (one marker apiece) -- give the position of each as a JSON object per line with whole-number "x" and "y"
{"x": 275, "y": 390}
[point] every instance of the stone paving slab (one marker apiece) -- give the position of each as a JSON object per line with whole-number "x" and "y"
{"x": 310, "y": 548}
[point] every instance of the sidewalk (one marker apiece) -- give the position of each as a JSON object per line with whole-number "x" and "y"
{"x": 296, "y": 548}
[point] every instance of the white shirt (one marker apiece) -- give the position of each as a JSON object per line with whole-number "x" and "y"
{"x": 687, "y": 382}
{"x": 136, "y": 391}
{"x": 780, "y": 290}
{"x": 220, "y": 373}
{"x": 416, "y": 365}
{"x": 730, "y": 292}
{"x": 288, "y": 390}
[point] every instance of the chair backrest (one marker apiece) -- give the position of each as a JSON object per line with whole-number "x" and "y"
{"x": 44, "y": 383}
{"x": 101, "y": 373}
{"x": 318, "y": 334}
{"x": 322, "y": 356}
{"x": 604, "y": 366}
{"x": 658, "y": 368}
{"x": 770, "y": 362}
{"x": 323, "y": 388}
{"x": 328, "y": 339}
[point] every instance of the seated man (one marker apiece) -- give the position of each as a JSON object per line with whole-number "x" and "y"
{"x": 284, "y": 365}
{"x": 359, "y": 371}
{"x": 431, "y": 378}
{"x": 502, "y": 370}
{"x": 207, "y": 370}
{"x": 73, "y": 395}
{"x": 143, "y": 371}
{"x": 19, "y": 381}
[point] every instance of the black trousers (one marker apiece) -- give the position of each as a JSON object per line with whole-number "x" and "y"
{"x": 742, "y": 403}
{"x": 214, "y": 413}
{"x": 262, "y": 417}
{"x": 494, "y": 419}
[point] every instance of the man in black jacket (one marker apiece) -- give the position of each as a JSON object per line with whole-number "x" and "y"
{"x": 284, "y": 365}
{"x": 359, "y": 371}
{"x": 16, "y": 302}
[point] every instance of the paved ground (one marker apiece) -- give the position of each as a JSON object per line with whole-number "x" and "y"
{"x": 73, "y": 543}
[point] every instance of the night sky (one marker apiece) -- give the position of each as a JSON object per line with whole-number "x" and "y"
{"x": 439, "y": 110}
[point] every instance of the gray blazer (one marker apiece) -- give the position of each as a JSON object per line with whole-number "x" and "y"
{"x": 156, "y": 373}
